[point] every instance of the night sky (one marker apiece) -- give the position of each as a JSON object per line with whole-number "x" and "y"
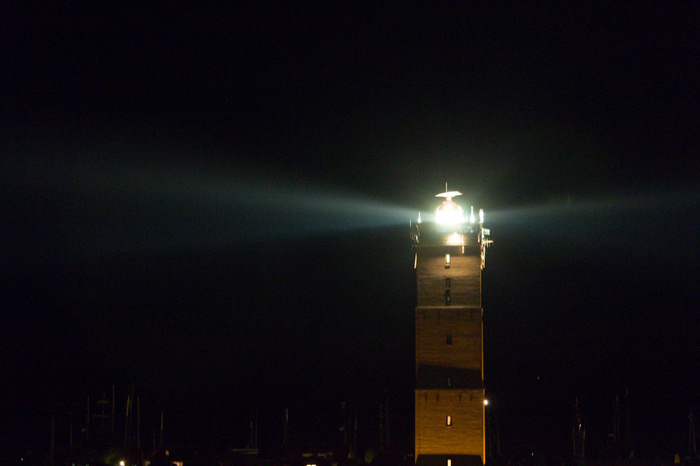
{"x": 212, "y": 203}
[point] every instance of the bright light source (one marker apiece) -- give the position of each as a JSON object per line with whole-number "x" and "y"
{"x": 472, "y": 219}
{"x": 486, "y": 402}
{"x": 121, "y": 463}
{"x": 481, "y": 215}
{"x": 449, "y": 212}
{"x": 455, "y": 239}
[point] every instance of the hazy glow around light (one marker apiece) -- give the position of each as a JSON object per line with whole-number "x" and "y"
{"x": 594, "y": 208}
{"x": 449, "y": 213}
{"x": 112, "y": 208}
{"x": 455, "y": 239}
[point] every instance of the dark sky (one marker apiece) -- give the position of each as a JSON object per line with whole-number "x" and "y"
{"x": 212, "y": 203}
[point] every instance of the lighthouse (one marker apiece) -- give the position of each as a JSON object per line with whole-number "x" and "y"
{"x": 450, "y": 253}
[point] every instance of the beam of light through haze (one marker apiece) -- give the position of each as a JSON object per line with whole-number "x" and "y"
{"x": 114, "y": 208}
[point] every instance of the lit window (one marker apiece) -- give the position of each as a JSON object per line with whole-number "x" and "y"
{"x": 448, "y": 283}
{"x": 448, "y": 298}
{"x": 448, "y": 423}
{"x": 447, "y": 260}
{"x": 449, "y": 339}
{"x": 449, "y": 462}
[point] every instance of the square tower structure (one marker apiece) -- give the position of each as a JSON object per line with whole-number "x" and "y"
{"x": 449, "y": 393}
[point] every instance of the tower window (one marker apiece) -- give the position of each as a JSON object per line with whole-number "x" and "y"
{"x": 449, "y": 382}
{"x": 448, "y": 423}
{"x": 448, "y": 298}
{"x": 447, "y": 261}
{"x": 449, "y": 339}
{"x": 448, "y": 283}
{"x": 449, "y": 462}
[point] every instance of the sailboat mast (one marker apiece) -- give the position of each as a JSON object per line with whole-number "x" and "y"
{"x": 112, "y": 408}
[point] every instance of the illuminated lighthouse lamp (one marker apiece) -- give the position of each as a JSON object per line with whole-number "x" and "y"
{"x": 450, "y": 216}
{"x": 449, "y": 212}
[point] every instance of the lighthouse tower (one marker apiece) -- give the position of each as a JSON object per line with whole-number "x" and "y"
{"x": 449, "y": 394}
